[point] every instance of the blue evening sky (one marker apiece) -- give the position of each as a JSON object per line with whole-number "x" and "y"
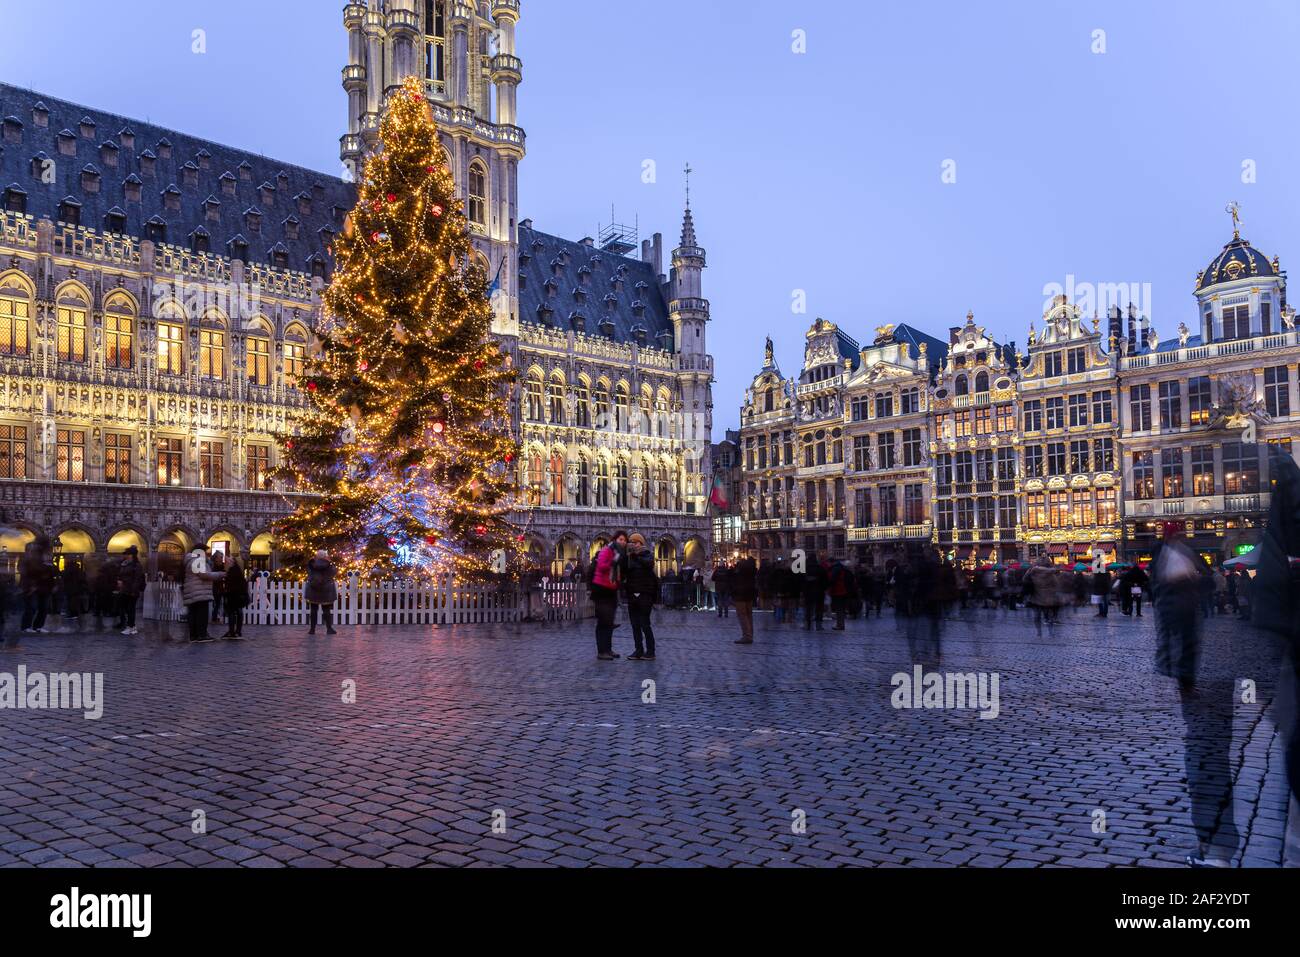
{"x": 818, "y": 171}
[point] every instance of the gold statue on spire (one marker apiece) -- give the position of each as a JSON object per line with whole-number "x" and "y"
{"x": 1233, "y": 209}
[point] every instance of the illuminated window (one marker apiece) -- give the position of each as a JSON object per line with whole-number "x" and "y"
{"x": 258, "y": 475}
{"x": 555, "y": 399}
{"x": 557, "y": 478}
{"x": 1171, "y": 472}
{"x": 295, "y": 362}
{"x": 212, "y": 464}
{"x": 70, "y": 455}
{"x": 13, "y": 451}
{"x": 170, "y": 348}
{"x": 477, "y": 194}
{"x": 1199, "y": 402}
{"x": 1107, "y": 512}
{"x": 1202, "y": 470}
{"x": 1006, "y": 417}
{"x": 117, "y": 458}
{"x": 119, "y": 352}
{"x": 15, "y": 319}
{"x": 169, "y": 461}
{"x": 259, "y": 361}
{"x": 71, "y": 334}
{"x": 1144, "y": 475}
{"x": 1240, "y": 468}
{"x": 1058, "y": 509}
{"x": 212, "y": 353}
{"x": 1036, "y": 510}
{"x": 1082, "y": 511}
{"x": 533, "y": 398}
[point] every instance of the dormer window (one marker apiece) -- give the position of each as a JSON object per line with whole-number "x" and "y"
{"x": 640, "y": 288}
{"x": 638, "y": 309}
{"x": 171, "y": 197}
{"x": 544, "y": 313}
{"x": 584, "y": 275}
{"x": 70, "y": 211}
{"x": 245, "y": 171}
{"x": 577, "y": 322}
{"x": 228, "y": 182}
{"x": 212, "y": 209}
{"x": 200, "y": 241}
{"x": 204, "y": 158}
{"x": 639, "y": 335}
{"x": 607, "y": 328}
{"x": 190, "y": 174}
{"x": 67, "y": 141}
{"x": 282, "y": 180}
{"x": 41, "y": 115}
{"x": 164, "y": 149}
{"x": 115, "y": 220}
{"x": 126, "y": 138}
{"x": 557, "y": 266}
{"x": 156, "y": 230}
{"x": 238, "y": 248}
{"x": 87, "y": 127}
{"x": 524, "y": 257}
{"x": 551, "y": 287}
{"x": 304, "y": 203}
{"x": 291, "y": 228}
{"x": 90, "y": 178}
{"x": 337, "y": 213}
{"x": 611, "y": 301}
{"x": 318, "y": 266}
{"x": 108, "y": 153}
{"x": 147, "y": 159}
{"x": 15, "y": 199}
{"x": 317, "y": 192}
{"x": 267, "y": 193}
{"x": 41, "y": 163}
{"x": 579, "y": 294}
{"x": 131, "y": 188}
{"x": 253, "y": 219}
{"x": 326, "y": 235}
{"x": 279, "y": 256}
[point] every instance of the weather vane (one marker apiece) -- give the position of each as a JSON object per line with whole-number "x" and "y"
{"x": 688, "y": 172}
{"x": 1233, "y": 209}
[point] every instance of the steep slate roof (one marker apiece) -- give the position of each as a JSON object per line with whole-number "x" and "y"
{"x": 183, "y": 172}
{"x": 543, "y": 258}
{"x": 936, "y": 349}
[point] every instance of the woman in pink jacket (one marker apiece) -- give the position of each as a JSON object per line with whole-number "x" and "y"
{"x": 605, "y": 582}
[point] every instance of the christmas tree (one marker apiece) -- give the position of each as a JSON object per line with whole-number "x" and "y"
{"x": 406, "y": 445}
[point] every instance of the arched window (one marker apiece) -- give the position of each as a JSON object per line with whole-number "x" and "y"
{"x": 769, "y": 400}
{"x": 602, "y": 405}
{"x": 960, "y": 386}
{"x": 620, "y": 484}
{"x": 536, "y": 478}
{"x": 15, "y": 317}
{"x": 533, "y": 397}
{"x": 71, "y": 313}
{"x": 171, "y": 340}
{"x": 259, "y": 360}
{"x": 602, "y": 483}
{"x": 643, "y": 480}
{"x": 295, "y": 354}
{"x": 621, "y": 408}
{"x": 661, "y": 414}
{"x": 645, "y": 421}
{"x": 582, "y": 493}
{"x": 583, "y": 396}
{"x": 212, "y": 352}
{"x": 119, "y": 324}
{"x": 555, "y": 399}
{"x": 557, "y": 478}
{"x": 981, "y": 381}
{"x": 662, "y": 483}
{"x": 477, "y": 193}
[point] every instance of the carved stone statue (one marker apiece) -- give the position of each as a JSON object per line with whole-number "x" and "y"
{"x": 767, "y": 353}
{"x": 1183, "y": 334}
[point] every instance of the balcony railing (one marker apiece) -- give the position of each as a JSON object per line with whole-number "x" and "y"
{"x": 1213, "y": 350}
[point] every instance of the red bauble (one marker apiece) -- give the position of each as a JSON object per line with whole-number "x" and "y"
{"x": 289, "y": 444}
{"x": 431, "y": 539}
{"x": 436, "y": 210}
{"x": 391, "y": 197}
{"x": 438, "y": 427}
{"x": 363, "y": 365}
{"x": 480, "y": 529}
{"x": 510, "y": 456}
{"x": 311, "y": 386}
{"x": 478, "y": 364}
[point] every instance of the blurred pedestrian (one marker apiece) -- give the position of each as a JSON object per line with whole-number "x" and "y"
{"x": 814, "y": 592}
{"x": 321, "y": 592}
{"x": 217, "y": 564}
{"x": 744, "y": 589}
{"x": 236, "y": 598}
{"x": 130, "y": 586}
{"x": 1101, "y": 590}
{"x": 196, "y": 593}
{"x": 722, "y": 588}
{"x": 36, "y": 581}
{"x": 606, "y": 580}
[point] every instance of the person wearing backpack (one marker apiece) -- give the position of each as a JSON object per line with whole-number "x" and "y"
{"x": 605, "y": 584}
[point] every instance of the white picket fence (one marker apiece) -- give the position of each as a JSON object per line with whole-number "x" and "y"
{"x": 442, "y": 602}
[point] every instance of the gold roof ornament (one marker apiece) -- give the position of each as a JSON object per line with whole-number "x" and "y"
{"x": 1233, "y": 209}
{"x": 885, "y": 333}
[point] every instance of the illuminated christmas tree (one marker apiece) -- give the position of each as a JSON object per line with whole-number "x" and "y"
{"x": 406, "y": 444}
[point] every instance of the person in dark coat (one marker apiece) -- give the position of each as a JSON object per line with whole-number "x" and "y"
{"x": 218, "y": 564}
{"x": 75, "y": 591}
{"x": 788, "y": 588}
{"x": 102, "y": 599}
{"x": 641, "y": 589}
{"x": 196, "y": 593}
{"x": 840, "y": 587}
{"x": 722, "y": 589}
{"x": 814, "y": 593}
{"x": 37, "y": 584}
{"x": 744, "y": 589}
{"x": 130, "y": 586}
{"x": 321, "y": 592}
{"x": 6, "y": 591}
{"x": 236, "y": 596}
{"x": 1131, "y": 586}
{"x": 1101, "y": 588}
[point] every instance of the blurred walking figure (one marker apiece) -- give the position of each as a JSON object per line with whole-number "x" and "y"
{"x": 1043, "y": 592}
{"x": 722, "y": 588}
{"x": 1132, "y": 583}
{"x": 196, "y": 592}
{"x": 641, "y": 586}
{"x": 36, "y": 572}
{"x": 933, "y": 588}
{"x": 1177, "y": 581}
{"x": 6, "y": 593}
{"x": 841, "y": 588}
{"x": 130, "y": 586}
{"x": 744, "y": 589}
{"x": 321, "y": 592}
{"x": 1101, "y": 591}
{"x": 75, "y": 590}
{"x": 814, "y": 593}
{"x": 102, "y": 593}
{"x": 217, "y": 563}
{"x": 788, "y": 587}
{"x": 236, "y": 595}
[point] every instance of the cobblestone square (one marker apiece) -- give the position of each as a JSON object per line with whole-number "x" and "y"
{"x": 456, "y": 730}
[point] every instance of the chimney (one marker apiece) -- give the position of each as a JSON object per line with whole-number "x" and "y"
{"x": 526, "y": 223}
{"x": 1132, "y": 328}
{"x": 1115, "y": 324}
{"x": 587, "y": 241}
{"x": 658, "y": 248}
{"x": 645, "y": 250}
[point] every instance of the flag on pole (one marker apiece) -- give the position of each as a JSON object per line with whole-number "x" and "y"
{"x": 718, "y": 495}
